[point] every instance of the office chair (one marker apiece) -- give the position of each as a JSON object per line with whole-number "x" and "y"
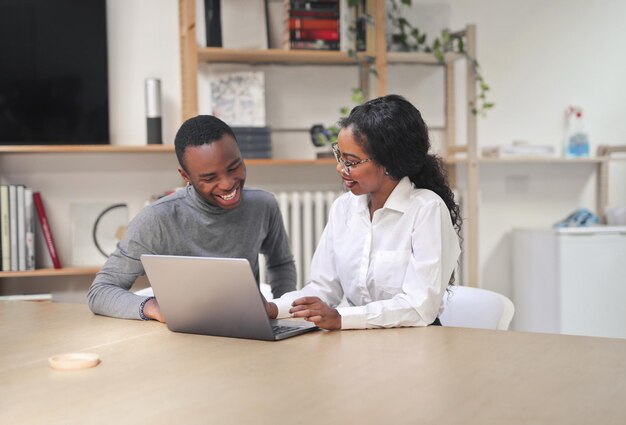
{"x": 469, "y": 307}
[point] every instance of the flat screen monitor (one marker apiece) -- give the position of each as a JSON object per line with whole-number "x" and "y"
{"x": 53, "y": 72}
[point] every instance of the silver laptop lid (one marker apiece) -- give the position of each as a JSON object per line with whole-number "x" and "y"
{"x": 209, "y": 296}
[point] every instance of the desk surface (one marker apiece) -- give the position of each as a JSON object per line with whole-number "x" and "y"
{"x": 411, "y": 375}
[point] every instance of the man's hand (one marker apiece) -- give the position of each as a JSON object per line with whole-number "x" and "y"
{"x": 270, "y": 308}
{"x": 152, "y": 310}
{"x": 317, "y": 311}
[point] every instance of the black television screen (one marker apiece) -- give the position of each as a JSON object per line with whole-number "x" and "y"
{"x": 53, "y": 72}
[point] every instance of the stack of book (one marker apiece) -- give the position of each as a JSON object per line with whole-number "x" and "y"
{"x": 19, "y": 206}
{"x": 254, "y": 142}
{"x": 314, "y": 24}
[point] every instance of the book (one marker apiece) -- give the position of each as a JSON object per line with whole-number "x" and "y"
{"x": 313, "y": 14}
{"x": 5, "y": 244}
{"x": 361, "y": 26}
{"x": 275, "y": 23}
{"x": 257, "y": 154}
{"x": 201, "y": 37}
{"x": 212, "y": 23}
{"x": 13, "y": 226}
{"x": 518, "y": 150}
{"x": 21, "y": 228}
{"x": 27, "y": 297}
{"x": 249, "y": 141}
{"x": 344, "y": 20}
{"x": 313, "y": 24}
{"x": 331, "y": 5}
{"x": 29, "y": 228}
{"x": 238, "y": 98}
{"x": 45, "y": 229}
{"x": 302, "y": 35}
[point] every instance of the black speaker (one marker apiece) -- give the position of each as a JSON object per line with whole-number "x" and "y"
{"x": 153, "y": 111}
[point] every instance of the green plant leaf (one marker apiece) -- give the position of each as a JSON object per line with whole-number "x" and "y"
{"x": 439, "y": 55}
{"x": 445, "y": 37}
{"x": 399, "y": 39}
{"x": 357, "y": 96}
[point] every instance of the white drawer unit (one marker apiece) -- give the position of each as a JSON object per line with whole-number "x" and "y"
{"x": 570, "y": 281}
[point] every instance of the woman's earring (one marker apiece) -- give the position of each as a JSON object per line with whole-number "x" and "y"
{"x": 386, "y": 172}
{"x": 187, "y": 183}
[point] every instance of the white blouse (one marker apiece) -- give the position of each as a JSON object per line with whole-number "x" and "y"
{"x": 393, "y": 270}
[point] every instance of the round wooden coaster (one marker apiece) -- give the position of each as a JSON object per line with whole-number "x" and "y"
{"x": 74, "y": 361}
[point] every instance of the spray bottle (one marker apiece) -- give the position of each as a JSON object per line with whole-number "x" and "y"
{"x": 576, "y": 138}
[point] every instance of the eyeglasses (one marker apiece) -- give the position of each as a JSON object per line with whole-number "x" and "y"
{"x": 345, "y": 163}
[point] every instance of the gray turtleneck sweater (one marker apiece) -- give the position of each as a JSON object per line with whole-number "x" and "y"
{"x": 183, "y": 223}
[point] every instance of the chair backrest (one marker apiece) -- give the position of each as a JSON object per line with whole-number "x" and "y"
{"x": 469, "y": 307}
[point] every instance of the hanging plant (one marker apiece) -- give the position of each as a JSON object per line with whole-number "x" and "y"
{"x": 406, "y": 37}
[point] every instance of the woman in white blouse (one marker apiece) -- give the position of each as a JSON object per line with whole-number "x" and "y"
{"x": 390, "y": 245}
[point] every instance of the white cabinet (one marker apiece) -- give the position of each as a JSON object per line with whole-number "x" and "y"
{"x": 570, "y": 281}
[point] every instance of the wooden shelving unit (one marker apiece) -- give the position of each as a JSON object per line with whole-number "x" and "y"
{"x": 191, "y": 55}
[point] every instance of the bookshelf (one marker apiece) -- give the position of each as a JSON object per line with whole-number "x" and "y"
{"x": 191, "y": 56}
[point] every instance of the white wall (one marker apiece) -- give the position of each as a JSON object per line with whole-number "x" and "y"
{"x": 143, "y": 43}
{"x": 539, "y": 57}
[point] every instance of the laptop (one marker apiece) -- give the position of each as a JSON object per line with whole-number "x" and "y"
{"x": 214, "y": 296}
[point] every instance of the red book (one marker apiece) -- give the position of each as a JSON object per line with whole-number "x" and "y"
{"x": 45, "y": 228}
{"x": 313, "y": 24}
{"x": 329, "y": 35}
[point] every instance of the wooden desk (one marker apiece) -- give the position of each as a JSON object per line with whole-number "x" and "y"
{"x": 430, "y": 375}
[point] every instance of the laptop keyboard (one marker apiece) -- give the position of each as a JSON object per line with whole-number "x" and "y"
{"x": 278, "y": 329}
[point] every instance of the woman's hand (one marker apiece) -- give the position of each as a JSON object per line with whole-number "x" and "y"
{"x": 152, "y": 310}
{"x": 317, "y": 311}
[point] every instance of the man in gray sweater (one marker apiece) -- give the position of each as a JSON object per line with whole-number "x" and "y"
{"x": 213, "y": 216}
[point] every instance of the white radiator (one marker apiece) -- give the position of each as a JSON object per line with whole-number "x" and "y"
{"x": 305, "y": 214}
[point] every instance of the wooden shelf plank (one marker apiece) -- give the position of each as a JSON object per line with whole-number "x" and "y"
{"x": 418, "y": 58}
{"x": 542, "y": 160}
{"x": 67, "y": 271}
{"x": 312, "y": 57}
